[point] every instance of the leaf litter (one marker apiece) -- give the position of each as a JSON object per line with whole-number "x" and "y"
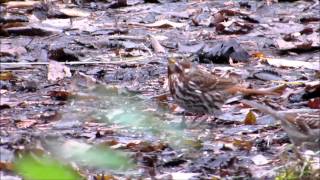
{"x": 105, "y": 90}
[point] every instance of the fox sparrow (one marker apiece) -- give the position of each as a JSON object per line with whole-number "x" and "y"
{"x": 302, "y": 127}
{"x": 199, "y": 91}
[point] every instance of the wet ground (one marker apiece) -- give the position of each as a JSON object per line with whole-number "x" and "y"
{"x": 96, "y": 73}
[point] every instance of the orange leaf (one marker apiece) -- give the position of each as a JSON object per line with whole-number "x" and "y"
{"x": 250, "y": 119}
{"x": 241, "y": 144}
{"x": 258, "y": 55}
{"x": 314, "y": 103}
{"x": 104, "y": 177}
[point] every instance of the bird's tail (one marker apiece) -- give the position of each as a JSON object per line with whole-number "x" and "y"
{"x": 264, "y": 109}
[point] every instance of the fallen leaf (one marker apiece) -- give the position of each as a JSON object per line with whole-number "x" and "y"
{"x": 21, "y": 4}
{"x": 158, "y": 48}
{"x": 288, "y": 45}
{"x": 12, "y": 51}
{"x": 6, "y": 76}
{"x": 142, "y": 146}
{"x": 314, "y": 103}
{"x": 59, "y": 95}
{"x": 242, "y": 144}
{"x": 74, "y": 12}
{"x": 7, "y": 103}
{"x": 293, "y": 63}
{"x": 58, "y": 23}
{"x": 57, "y": 71}
{"x": 183, "y": 176}
{"x": 258, "y": 55}
{"x": 250, "y": 119}
{"x": 165, "y": 24}
{"x": 104, "y": 177}
{"x": 267, "y": 75}
{"x": 260, "y": 160}
{"x": 26, "y": 123}
{"x": 298, "y": 41}
{"x": 6, "y": 166}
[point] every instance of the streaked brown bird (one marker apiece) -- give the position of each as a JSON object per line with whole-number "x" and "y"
{"x": 302, "y": 127}
{"x": 199, "y": 91}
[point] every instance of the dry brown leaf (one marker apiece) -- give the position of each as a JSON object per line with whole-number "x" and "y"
{"x": 250, "y": 119}
{"x": 105, "y": 177}
{"x": 6, "y": 76}
{"x": 242, "y": 144}
{"x": 142, "y": 146}
{"x": 59, "y": 95}
{"x": 314, "y": 103}
{"x": 8, "y": 166}
{"x": 26, "y": 123}
{"x": 258, "y": 55}
{"x": 302, "y": 126}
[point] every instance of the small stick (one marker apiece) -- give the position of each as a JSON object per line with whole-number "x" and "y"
{"x": 77, "y": 62}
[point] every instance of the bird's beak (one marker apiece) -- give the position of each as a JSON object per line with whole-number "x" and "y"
{"x": 171, "y": 61}
{"x": 171, "y": 65}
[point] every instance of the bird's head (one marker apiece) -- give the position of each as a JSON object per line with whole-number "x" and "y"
{"x": 177, "y": 67}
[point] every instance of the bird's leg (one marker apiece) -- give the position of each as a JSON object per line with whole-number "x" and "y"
{"x": 198, "y": 120}
{"x": 212, "y": 118}
{"x": 183, "y": 123}
{"x": 201, "y": 119}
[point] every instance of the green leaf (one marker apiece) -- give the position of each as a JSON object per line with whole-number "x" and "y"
{"x": 44, "y": 168}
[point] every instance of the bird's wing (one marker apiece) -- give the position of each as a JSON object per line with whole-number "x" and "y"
{"x": 209, "y": 82}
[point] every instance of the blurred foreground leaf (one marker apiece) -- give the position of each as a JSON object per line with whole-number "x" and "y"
{"x": 127, "y": 112}
{"x": 88, "y": 155}
{"x": 133, "y": 113}
{"x": 44, "y": 168}
{"x": 142, "y": 121}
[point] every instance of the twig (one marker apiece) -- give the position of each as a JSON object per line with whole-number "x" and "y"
{"x": 125, "y": 37}
{"x": 77, "y": 62}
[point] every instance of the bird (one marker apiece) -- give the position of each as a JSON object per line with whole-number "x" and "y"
{"x": 302, "y": 127}
{"x": 198, "y": 91}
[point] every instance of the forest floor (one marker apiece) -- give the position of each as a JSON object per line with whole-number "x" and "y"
{"x": 84, "y": 84}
